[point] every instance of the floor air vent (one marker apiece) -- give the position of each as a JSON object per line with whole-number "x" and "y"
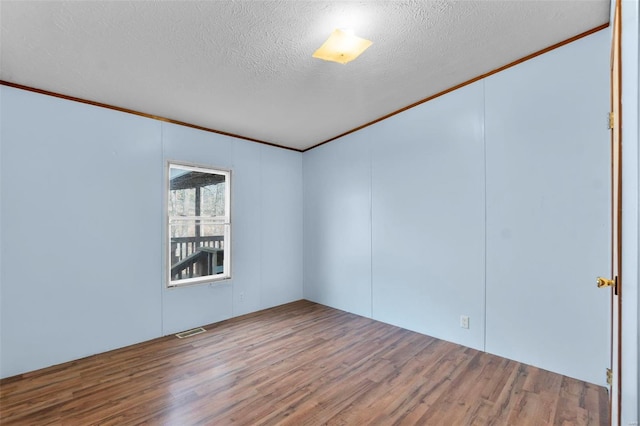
{"x": 190, "y": 333}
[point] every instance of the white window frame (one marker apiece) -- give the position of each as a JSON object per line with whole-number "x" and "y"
{"x": 226, "y": 220}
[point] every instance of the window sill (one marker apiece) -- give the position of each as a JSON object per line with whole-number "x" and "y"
{"x": 191, "y": 282}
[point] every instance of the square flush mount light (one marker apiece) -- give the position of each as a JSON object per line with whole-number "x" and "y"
{"x": 342, "y": 46}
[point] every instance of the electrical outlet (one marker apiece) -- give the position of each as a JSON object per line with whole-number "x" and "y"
{"x": 464, "y": 321}
{"x": 241, "y": 296}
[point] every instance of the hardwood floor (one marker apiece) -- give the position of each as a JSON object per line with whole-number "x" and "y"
{"x": 299, "y": 364}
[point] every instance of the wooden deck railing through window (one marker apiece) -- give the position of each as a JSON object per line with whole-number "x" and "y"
{"x": 196, "y": 256}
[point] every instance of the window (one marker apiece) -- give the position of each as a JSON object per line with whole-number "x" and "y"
{"x": 199, "y": 225}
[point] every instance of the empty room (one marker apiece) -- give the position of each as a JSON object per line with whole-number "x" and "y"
{"x": 408, "y": 212}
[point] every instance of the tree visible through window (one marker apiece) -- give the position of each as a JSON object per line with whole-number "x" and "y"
{"x": 199, "y": 225}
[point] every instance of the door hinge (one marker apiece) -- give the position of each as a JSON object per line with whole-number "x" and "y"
{"x": 611, "y": 120}
{"x": 609, "y": 377}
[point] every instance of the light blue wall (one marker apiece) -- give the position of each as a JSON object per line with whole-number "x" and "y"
{"x": 394, "y": 219}
{"x": 548, "y": 210}
{"x": 433, "y": 257}
{"x": 80, "y": 230}
{"x": 428, "y": 218}
{"x": 337, "y": 224}
{"x": 281, "y": 224}
{"x": 83, "y": 237}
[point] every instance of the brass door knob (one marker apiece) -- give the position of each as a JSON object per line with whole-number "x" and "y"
{"x": 605, "y": 282}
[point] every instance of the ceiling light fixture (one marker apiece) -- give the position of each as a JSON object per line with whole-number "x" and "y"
{"x": 342, "y": 46}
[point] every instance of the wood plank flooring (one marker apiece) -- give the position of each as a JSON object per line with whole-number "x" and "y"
{"x": 299, "y": 364}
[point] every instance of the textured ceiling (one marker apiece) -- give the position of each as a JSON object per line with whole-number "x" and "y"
{"x": 245, "y": 67}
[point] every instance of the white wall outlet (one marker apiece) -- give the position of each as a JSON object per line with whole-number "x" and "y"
{"x": 464, "y": 321}
{"x": 241, "y": 296}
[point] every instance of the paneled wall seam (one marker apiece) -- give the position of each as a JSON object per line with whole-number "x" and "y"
{"x": 371, "y": 229}
{"x": 162, "y": 230}
{"x": 261, "y": 236}
{"x": 484, "y": 198}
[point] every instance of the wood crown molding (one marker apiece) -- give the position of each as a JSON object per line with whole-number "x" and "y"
{"x": 141, "y": 114}
{"x": 384, "y": 117}
{"x": 466, "y": 83}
